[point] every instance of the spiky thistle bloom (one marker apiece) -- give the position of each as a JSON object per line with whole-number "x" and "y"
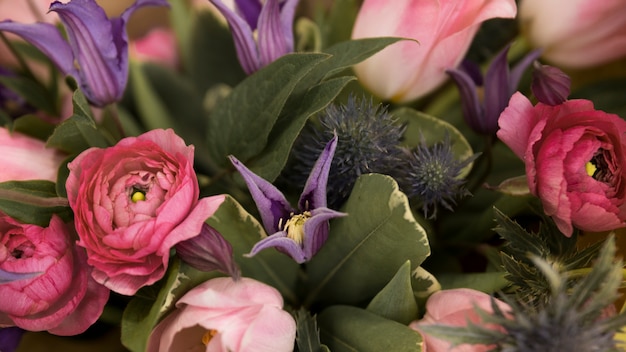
{"x": 369, "y": 139}
{"x": 432, "y": 175}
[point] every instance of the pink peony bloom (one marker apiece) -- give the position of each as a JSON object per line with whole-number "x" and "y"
{"x": 226, "y": 315}
{"x": 158, "y": 46}
{"x": 576, "y": 33}
{"x": 25, "y": 158}
{"x": 132, "y": 203}
{"x": 455, "y": 307}
{"x": 574, "y": 157}
{"x": 443, "y": 30}
{"x": 62, "y": 299}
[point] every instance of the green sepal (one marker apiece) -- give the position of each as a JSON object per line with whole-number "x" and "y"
{"x": 396, "y": 300}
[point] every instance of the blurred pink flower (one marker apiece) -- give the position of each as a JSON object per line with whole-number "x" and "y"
{"x": 443, "y": 30}
{"x": 576, "y": 33}
{"x": 455, "y": 307}
{"x": 226, "y": 315}
{"x": 25, "y": 158}
{"x": 62, "y": 299}
{"x": 574, "y": 158}
{"x": 132, "y": 203}
{"x": 158, "y": 46}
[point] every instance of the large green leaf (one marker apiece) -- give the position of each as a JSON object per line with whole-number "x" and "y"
{"x": 242, "y": 231}
{"x": 346, "y": 328}
{"x": 289, "y": 125}
{"x": 241, "y": 123}
{"x": 32, "y": 202}
{"x": 396, "y": 300}
{"x": 365, "y": 249}
{"x": 153, "y": 112}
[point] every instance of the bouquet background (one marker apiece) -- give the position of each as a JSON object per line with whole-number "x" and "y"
{"x": 347, "y": 175}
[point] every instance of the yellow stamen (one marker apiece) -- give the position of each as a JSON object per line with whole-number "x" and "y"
{"x": 295, "y": 226}
{"x": 206, "y": 338}
{"x": 138, "y": 196}
{"x": 590, "y": 168}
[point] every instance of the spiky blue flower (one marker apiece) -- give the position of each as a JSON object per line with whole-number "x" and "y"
{"x": 369, "y": 139}
{"x": 431, "y": 174}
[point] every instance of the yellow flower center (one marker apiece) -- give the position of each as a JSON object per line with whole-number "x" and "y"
{"x": 295, "y": 226}
{"x": 138, "y": 196}
{"x": 206, "y": 338}
{"x": 590, "y": 168}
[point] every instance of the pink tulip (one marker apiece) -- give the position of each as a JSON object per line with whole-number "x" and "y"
{"x": 574, "y": 157}
{"x": 455, "y": 307}
{"x": 26, "y": 158}
{"x": 62, "y": 298}
{"x": 443, "y": 30}
{"x": 226, "y": 315}
{"x": 158, "y": 46}
{"x": 576, "y": 33}
{"x": 132, "y": 203}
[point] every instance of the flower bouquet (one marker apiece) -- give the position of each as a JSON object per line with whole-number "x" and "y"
{"x": 287, "y": 175}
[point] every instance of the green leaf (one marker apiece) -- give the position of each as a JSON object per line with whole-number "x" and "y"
{"x": 151, "y": 303}
{"x": 241, "y": 123}
{"x": 346, "y": 328}
{"x": 33, "y": 92}
{"x": 396, "y": 300}
{"x": 33, "y": 126}
{"x": 273, "y": 159}
{"x": 433, "y": 130}
{"x": 243, "y": 231}
{"x": 152, "y": 111}
{"x": 307, "y": 333}
{"x": 33, "y": 202}
{"x": 365, "y": 249}
{"x": 337, "y": 25}
{"x": 485, "y": 282}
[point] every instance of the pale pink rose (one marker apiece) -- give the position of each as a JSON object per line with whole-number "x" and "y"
{"x": 25, "y": 158}
{"x": 62, "y": 299}
{"x": 226, "y": 315}
{"x": 576, "y": 33}
{"x": 574, "y": 157}
{"x": 158, "y": 46}
{"x": 132, "y": 203}
{"x": 444, "y": 30}
{"x": 455, "y": 307}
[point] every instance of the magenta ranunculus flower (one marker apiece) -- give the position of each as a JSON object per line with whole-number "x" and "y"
{"x": 226, "y": 315}
{"x": 132, "y": 203}
{"x": 574, "y": 158}
{"x": 57, "y": 294}
{"x": 455, "y": 308}
{"x": 25, "y": 158}
{"x": 443, "y": 30}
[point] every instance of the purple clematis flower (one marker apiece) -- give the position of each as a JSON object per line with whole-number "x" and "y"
{"x": 273, "y": 21}
{"x": 499, "y": 84}
{"x": 297, "y": 233}
{"x": 97, "y": 52}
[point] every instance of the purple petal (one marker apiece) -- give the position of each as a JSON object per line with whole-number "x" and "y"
{"x": 46, "y": 38}
{"x": 518, "y": 71}
{"x": 550, "y": 85}
{"x": 281, "y": 242}
{"x": 316, "y": 230}
{"x": 473, "y": 70}
{"x": 287, "y": 14}
{"x": 272, "y": 42}
{"x": 249, "y": 10}
{"x": 496, "y": 86}
{"x": 314, "y": 192}
{"x": 247, "y": 51}
{"x": 271, "y": 202}
{"x": 8, "y": 277}
{"x": 10, "y": 338}
{"x": 472, "y": 110}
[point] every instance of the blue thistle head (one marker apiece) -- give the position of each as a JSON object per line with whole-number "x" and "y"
{"x": 368, "y": 142}
{"x": 431, "y": 174}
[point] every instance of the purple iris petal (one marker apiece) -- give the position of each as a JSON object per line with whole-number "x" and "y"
{"x": 314, "y": 193}
{"x": 281, "y": 242}
{"x": 518, "y": 71}
{"x": 271, "y": 202}
{"x": 8, "y": 277}
{"x": 250, "y": 11}
{"x": 287, "y": 14}
{"x": 472, "y": 109}
{"x": 496, "y": 89}
{"x": 316, "y": 230}
{"x": 10, "y": 338}
{"x": 272, "y": 44}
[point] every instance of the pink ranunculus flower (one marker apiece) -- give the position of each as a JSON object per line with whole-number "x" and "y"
{"x": 62, "y": 298}
{"x": 226, "y": 315}
{"x": 158, "y": 46}
{"x": 443, "y": 30}
{"x": 576, "y": 33}
{"x": 455, "y": 307}
{"x": 26, "y": 158}
{"x": 574, "y": 157}
{"x": 132, "y": 203}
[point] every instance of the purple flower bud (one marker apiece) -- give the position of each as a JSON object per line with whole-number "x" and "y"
{"x": 10, "y": 338}
{"x": 209, "y": 251}
{"x": 550, "y": 85}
